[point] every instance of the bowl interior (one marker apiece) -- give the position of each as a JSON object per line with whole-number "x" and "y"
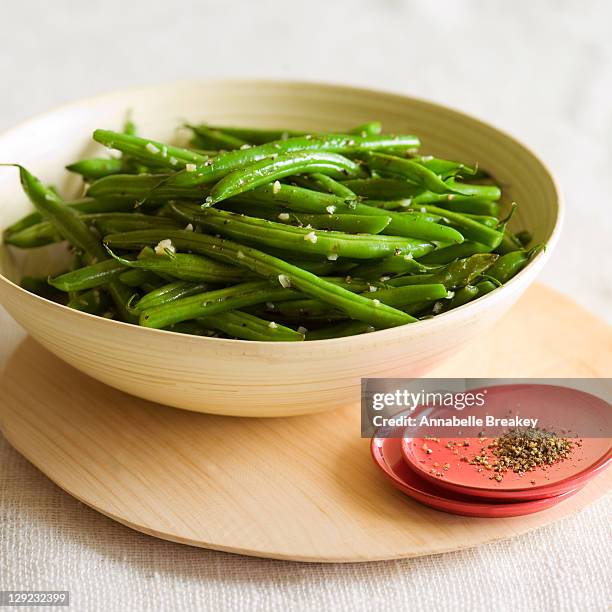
{"x": 48, "y": 142}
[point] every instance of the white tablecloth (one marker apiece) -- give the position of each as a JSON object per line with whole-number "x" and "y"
{"x": 541, "y": 70}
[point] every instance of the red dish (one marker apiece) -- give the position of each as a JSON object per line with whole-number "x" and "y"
{"x": 439, "y": 464}
{"x": 387, "y": 454}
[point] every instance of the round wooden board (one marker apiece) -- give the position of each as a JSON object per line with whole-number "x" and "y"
{"x": 301, "y": 488}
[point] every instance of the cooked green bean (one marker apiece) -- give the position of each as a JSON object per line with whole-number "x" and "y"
{"x": 186, "y": 267}
{"x": 509, "y": 265}
{"x": 395, "y": 264}
{"x": 471, "y": 229}
{"x": 325, "y": 183}
{"x": 462, "y": 296}
{"x": 141, "y": 278}
{"x": 261, "y": 232}
{"x": 444, "y": 167}
{"x": 88, "y": 277}
{"x": 67, "y": 222}
{"x": 357, "y": 307}
{"x": 353, "y": 224}
{"x": 132, "y": 188}
{"x": 308, "y": 201}
{"x": 339, "y": 330}
{"x": 249, "y": 327}
{"x": 455, "y": 251}
{"x": 213, "y": 138}
{"x": 40, "y": 286}
{"x": 262, "y": 172}
{"x": 168, "y": 293}
{"x": 281, "y": 228}
{"x": 44, "y": 232}
{"x": 406, "y": 168}
{"x": 83, "y": 205}
{"x": 396, "y": 296}
{"x": 216, "y": 168}
{"x": 149, "y": 151}
{"x": 95, "y": 301}
{"x": 91, "y": 169}
{"x": 456, "y": 274}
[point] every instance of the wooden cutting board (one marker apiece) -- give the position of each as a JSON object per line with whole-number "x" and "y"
{"x": 302, "y": 488}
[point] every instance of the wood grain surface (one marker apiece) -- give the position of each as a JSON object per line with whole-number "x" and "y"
{"x": 301, "y": 488}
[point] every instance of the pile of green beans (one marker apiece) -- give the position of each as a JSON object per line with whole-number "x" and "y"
{"x": 272, "y": 234}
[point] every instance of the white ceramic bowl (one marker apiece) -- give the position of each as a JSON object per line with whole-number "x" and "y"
{"x": 237, "y": 377}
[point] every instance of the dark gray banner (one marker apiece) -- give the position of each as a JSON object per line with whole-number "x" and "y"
{"x": 452, "y": 407}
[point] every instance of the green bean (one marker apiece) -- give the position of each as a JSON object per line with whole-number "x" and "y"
{"x": 258, "y": 136}
{"x": 265, "y": 135}
{"x": 107, "y": 223}
{"x": 356, "y": 307}
{"x": 88, "y": 277}
{"x": 318, "y": 267}
{"x": 112, "y": 223}
{"x": 395, "y": 264}
{"x": 129, "y": 127}
{"x": 216, "y": 168}
{"x": 192, "y": 328}
{"x": 37, "y": 235}
{"x": 508, "y": 244}
{"x": 455, "y": 251}
{"x": 511, "y": 264}
{"x": 208, "y": 303}
{"x": 352, "y": 224}
{"x": 326, "y": 184}
{"x": 456, "y": 274}
{"x": 249, "y": 327}
{"x": 471, "y": 229}
{"x": 466, "y": 204}
{"x": 524, "y": 237}
{"x": 185, "y": 267}
{"x": 370, "y": 128}
{"x": 136, "y": 187}
{"x": 488, "y": 220}
{"x": 308, "y": 201}
{"x": 396, "y": 297}
{"x": 251, "y": 230}
{"x": 462, "y": 296}
{"x": 40, "y": 286}
{"x": 262, "y": 172}
{"x": 83, "y": 205}
{"x": 149, "y": 151}
{"x": 488, "y": 192}
{"x": 140, "y": 278}
{"x": 67, "y": 222}
{"x": 382, "y": 188}
{"x": 65, "y": 219}
{"x": 168, "y": 293}
{"x": 91, "y": 169}
{"x": 444, "y": 167}
{"x": 213, "y": 138}
{"x": 339, "y": 330}
{"x": 406, "y": 168}
{"x": 486, "y": 286}
{"x": 94, "y": 301}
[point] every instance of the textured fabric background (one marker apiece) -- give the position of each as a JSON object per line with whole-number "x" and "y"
{"x": 540, "y": 70}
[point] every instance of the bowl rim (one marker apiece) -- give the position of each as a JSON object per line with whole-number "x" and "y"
{"x": 534, "y": 266}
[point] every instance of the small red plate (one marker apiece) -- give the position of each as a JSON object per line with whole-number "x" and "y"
{"x": 387, "y": 455}
{"x": 444, "y": 466}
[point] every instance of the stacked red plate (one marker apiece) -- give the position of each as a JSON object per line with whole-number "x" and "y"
{"x": 441, "y": 472}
